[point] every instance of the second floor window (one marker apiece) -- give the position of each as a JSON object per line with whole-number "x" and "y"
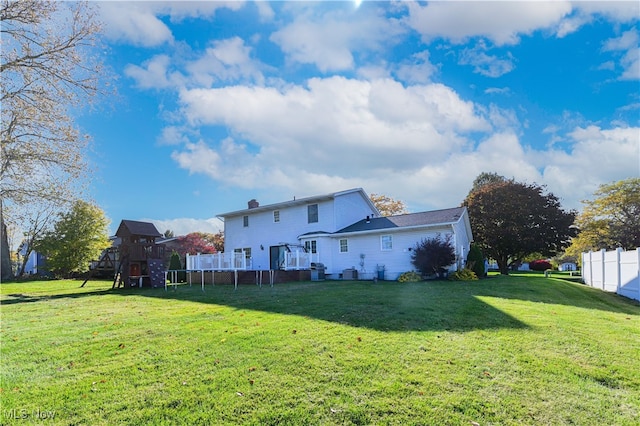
{"x": 276, "y": 216}
{"x": 245, "y": 221}
{"x": 312, "y": 213}
{"x": 344, "y": 247}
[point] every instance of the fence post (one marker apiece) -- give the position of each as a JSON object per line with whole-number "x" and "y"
{"x": 590, "y": 269}
{"x": 638, "y": 269}
{"x": 618, "y": 270}
{"x": 603, "y": 275}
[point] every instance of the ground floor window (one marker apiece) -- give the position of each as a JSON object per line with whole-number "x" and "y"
{"x": 311, "y": 246}
{"x": 247, "y": 254}
{"x": 247, "y": 251}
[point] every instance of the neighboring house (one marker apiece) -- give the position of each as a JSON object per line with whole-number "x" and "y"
{"x": 343, "y": 231}
{"x": 568, "y": 266}
{"x": 35, "y": 263}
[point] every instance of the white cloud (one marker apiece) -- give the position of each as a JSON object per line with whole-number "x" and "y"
{"x": 417, "y": 69}
{"x": 173, "y": 135}
{"x": 630, "y": 60}
{"x": 180, "y": 10}
{"x": 628, "y": 40}
{"x": 596, "y": 156}
{"x": 487, "y": 65}
{"x": 616, "y": 11}
{"x": 226, "y": 60}
{"x": 332, "y": 133}
{"x": 406, "y": 141}
{"x": 501, "y": 22}
{"x": 497, "y": 91}
{"x": 410, "y": 138}
{"x": 135, "y": 23}
{"x": 152, "y": 74}
{"x": 331, "y": 122}
{"x": 264, "y": 10}
{"x": 184, "y": 226}
{"x": 329, "y": 41}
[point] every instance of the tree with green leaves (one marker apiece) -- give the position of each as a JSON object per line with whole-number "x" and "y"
{"x": 432, "y": 255}
{"x": 510, "y": 220}
{"x": 77, "y": 238}
{"x": 610, "y": 220}
{"x": 175, "y": 264}
{"x": 487, "y": 178}
{"x": 475, "y": 260}
{"x": 388, "y": 206}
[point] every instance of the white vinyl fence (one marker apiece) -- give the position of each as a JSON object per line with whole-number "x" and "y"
{"x": 616, "y": 271}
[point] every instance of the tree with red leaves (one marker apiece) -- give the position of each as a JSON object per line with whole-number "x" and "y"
{"x": 511, "y": 220}
{"x": 200, "y": 242}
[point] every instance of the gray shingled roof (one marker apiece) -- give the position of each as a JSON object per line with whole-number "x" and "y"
{"x": 406, "y": 220}
{"x": 146, "y": 229}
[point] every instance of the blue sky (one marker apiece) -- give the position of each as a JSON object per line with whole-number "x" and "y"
{"x": 222, "y": 102}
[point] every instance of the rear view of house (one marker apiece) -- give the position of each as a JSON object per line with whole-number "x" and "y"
{"x": 342, "y": 231}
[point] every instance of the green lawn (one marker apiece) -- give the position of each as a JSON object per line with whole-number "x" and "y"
{"x": 506, "y": 350}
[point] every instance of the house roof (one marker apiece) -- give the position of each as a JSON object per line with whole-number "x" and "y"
{"x": 430, "y": 218}
{"x": 298, "y": 201}
{"x": 146, "y": 229}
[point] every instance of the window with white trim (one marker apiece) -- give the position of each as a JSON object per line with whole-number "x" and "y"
{"x": 246, "y": 250}
{"x": 310, "y": 246}
{"x": 344, "y": 245}
{"x": 386, "y": 242}
{"x": 276, "y": 216}
{"x": 245, "y": 221}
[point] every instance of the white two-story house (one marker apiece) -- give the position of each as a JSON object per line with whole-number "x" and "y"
{"x": 341, "y": 230}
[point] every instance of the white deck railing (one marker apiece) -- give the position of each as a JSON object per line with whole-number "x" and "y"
{"x": 296, "y": 260}
{"x": 217, "y": 262}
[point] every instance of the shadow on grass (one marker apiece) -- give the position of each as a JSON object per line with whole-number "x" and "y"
{"x": 13, "y": 298}
{"x": 385, "y": 306}
{"x": 559, "y": 290}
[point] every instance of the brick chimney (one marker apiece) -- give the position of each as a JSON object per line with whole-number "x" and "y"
{"x": 253, "y": 204}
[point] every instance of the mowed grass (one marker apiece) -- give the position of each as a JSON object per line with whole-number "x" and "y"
{"x": 505, "y": 350}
